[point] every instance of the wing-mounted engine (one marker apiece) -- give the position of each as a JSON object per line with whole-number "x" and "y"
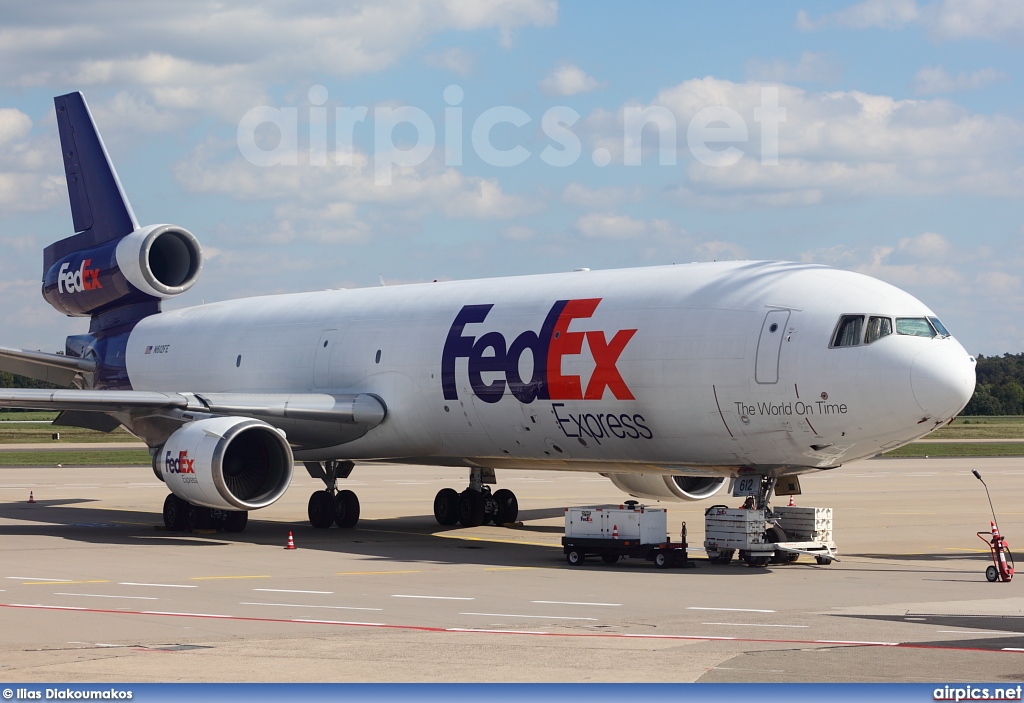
{"x": 229, "y": 463}
{"x": 661, "y": 487}
{"x": 154, "y": 262}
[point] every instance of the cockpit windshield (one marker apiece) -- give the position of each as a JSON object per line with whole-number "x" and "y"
{"x": 939, "y": 327}
{"x": 914, "y": 327}
{"x": 851, "y": 331}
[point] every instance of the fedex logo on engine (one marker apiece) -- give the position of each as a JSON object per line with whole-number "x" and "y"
{"x": 491, "y": 353}
{"x": 83, "y": 279}
{"x": 180, "y": 464}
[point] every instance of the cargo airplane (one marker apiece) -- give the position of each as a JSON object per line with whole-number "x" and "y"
{"x": 669, "y": 380}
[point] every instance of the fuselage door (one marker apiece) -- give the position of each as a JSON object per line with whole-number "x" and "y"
{"x": 769, "y": 346}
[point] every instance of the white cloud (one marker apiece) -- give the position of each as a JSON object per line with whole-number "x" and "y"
{"x": 455, "y": 59}
{"x": 811, "y": 67}
{"x": 196, "y": 54}
{"x": 832, "y": 144}
{"x": 594, "y": 198}
{"x": 342, "y": 203}
{"x": 569, "y": 80}
{"x": 927, "y": 245}
{"x": 943, "y": 19}
{"x": 610, "y": 226}
{"x": 28, "y": 166}
{"x": 887, "y": 14}
{"x": 14, "y": 124}
{"x": 932, "y": 80}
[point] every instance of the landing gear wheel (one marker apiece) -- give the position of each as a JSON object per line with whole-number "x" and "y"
{"x": 472, "y": 508}
{"x": 346, "y": 509}
{"x": 197, "y": 518}
{"x": 174, "y": 513}
{"x": 661, "y": 560}
{"x": 236, "y": 521}
{"x": 822, "y": 561}
{"x": 446, "y": 507}
{"x": 992, "y": 574}
{"x": 321, "y": 510}
{"x": 774, "y": 535}
{"x": 508, "y": 507}
{"x": 610, "y": 558}
{"x": 574, "y": 557}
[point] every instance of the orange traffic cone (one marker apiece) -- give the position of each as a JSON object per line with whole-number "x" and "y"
{"x": 31, "y": 498}
{"x": 291, "y": 541}
{"x": 791, "y": 501}
{"x": 615, "y": 531}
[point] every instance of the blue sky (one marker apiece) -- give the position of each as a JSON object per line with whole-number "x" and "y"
{"x": 901, "y": 154}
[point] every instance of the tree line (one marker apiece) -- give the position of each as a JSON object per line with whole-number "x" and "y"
{"x": 1000, "y": 386}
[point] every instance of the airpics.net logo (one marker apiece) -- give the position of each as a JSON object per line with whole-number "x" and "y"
{"x": 715, "y": 136}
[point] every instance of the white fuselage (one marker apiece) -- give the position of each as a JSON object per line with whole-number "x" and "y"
{"x": 731, "y": 365}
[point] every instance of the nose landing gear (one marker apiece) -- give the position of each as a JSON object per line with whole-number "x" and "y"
{"x": 476, "y": 505}
{"x": 331, "y": 506}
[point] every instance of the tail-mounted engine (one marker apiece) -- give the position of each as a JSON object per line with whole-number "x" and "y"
{"x": 660, "y": 487}
{"x": 229, "y": 463}
{"x": 154, "y": 262}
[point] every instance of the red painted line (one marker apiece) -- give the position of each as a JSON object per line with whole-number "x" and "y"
{"x": 462, "y": 630}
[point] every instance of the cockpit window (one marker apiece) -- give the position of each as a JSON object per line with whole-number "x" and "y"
{"x": 849, "y": 332}
{"x": 914, "y": 326}
{"x": 939, "y": 327}
{"x": 878, "y": 327}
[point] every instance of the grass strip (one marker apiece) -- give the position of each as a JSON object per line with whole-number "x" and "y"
{"x": 114, "y": 457}
{"x": 978, "y": 449}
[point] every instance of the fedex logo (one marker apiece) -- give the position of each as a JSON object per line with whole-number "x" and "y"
{"x": 83, "y": 279}
{"x": 491, "y": 353}
{"x": 180, "y": 464}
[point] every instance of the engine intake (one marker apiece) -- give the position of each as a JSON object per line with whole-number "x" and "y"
{"x": 157, "y": 261}
{"x": 229, "y": 463}
{"x": 661, "y": 487}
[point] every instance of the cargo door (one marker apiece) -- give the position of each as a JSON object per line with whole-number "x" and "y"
{"x": 769, "y": 346}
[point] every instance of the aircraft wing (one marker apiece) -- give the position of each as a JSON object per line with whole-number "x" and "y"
{"x": 290, "y": 411}
{"x": 52, "y": 368}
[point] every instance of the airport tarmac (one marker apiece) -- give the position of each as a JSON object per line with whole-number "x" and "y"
{"x": 93, "y": 589}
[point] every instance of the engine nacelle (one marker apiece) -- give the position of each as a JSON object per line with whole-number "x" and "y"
{"x": 157, "y": 261}
{"x": 229, "y": 463}
{"x": 660, "y": 487}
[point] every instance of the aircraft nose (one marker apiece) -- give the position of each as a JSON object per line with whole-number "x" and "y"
{"x": 942, "y": 379}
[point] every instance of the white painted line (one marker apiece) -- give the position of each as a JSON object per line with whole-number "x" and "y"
{"x": 572, "y": 602}
{"x": 50, "y": 607}
{"x": 1013, "y": 649}
{"x": 676, "y": 637}
{"x": 160, "y": 585}
{"x": 296, "y": 605}
{"x": 285, "y": 590}
{"x": 882, "y": 644}
{"x": 400, "y": 595}
{"x": 546, "y": 617}
{"x": 734, "y": 610}
{"x": 34, "y": 578}
{"x": 976, "y": 632}
{"x": 191, "y": 615}
{"x": 495, "y": 631}
{"x": 340, "y": 622}
{"x": 100, "y": 595}
{"x": 750, "y": 624}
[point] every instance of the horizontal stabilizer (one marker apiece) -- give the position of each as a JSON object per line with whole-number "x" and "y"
{"x": 52, "y": 368}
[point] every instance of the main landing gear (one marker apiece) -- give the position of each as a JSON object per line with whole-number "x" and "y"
{"x": 331, "y": 506}
{"x": 180, "y": 515}
{"x": 476, "y": 505}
